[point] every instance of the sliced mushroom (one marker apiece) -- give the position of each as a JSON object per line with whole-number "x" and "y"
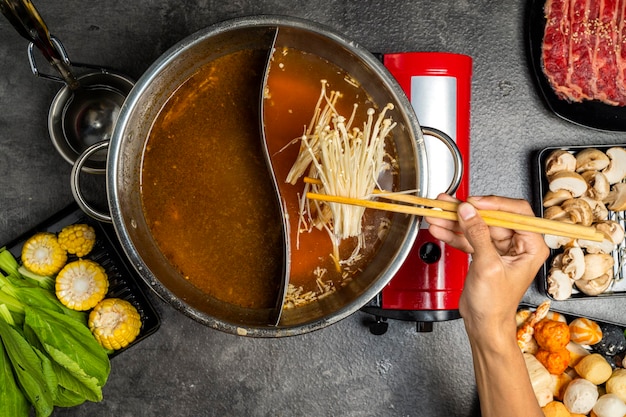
{"x": 590, "y": 246}
{"x": 579, "y": 211}
{"x": 616, "y": 170}
{"x": 555, "y": 198}
{"x": 616, "y": 200}
{"x": 612, "y": 230}
{"x": 559, "y": 284}
{"x": 557, "y": 261}
{"x": 595, "y": 286}
{"x": 599, "y": 210}
{"x": 591, "y": 159}
{"x": 557, "y": 242}
{"x": 598, "y": 185}
{"x": 596, "y": 265}
{"x": 573, "y": 262}
{"x": 570, "y": 181}
{"x": 557, "y": 213}
{"x": 560, "y": 160}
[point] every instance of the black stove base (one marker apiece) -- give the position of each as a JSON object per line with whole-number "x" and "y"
{"x": 423, "y": 319}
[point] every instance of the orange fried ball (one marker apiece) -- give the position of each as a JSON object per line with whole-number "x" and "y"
{"x": 552, "y": 335}
{"x": 555, "y": 362}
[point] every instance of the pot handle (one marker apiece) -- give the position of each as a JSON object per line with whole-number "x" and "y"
{"x": 456, "y": 156}
{"x": 75, "y": 182}
{"x": 105, "y": 217}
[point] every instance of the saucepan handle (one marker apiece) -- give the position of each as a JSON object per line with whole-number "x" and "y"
{"x": 456, "y": 156}
{"x": 75, "y": 182}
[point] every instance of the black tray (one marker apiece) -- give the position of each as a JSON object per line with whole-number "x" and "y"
{"x": 618, "y": 287}
{"x": 592, "y": 114}
{"x": 123, "y": 280}
{"x": 569, "y": 316}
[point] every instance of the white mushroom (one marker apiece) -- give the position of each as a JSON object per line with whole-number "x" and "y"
{"x": 557, "y": 213}
{"x": 559, "y": 284}
{"x": 597, "y": 264}
{"x": 573, "y": 262}
{"x": 616, "y": 200}
{"x": 598, "y": 185}
{"x": 597, "y": 285}
{"x": 557, "y": 261}
{"x": 593, "y": 247}
{"x": 570, "y": 181}
{"x": 579, "y": 211}
{"x": 616, "y": 170}
{"x": 613, "y": 231}
{"x": 557, "y": 242}
{"x": 560, "y": 160}
{"x": 591, "y": 159}
{"x": 599, "y": 210}
{"x": 555, "y": 198}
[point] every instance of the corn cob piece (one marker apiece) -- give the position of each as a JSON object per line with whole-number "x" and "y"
{"x": 81, "y": 284}
{"x": 77, "y": 239}
{"x": 42, "y": 254}
{"x": 115, "y": 323}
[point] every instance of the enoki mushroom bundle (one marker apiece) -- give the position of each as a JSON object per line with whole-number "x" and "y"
{"x": 347, "y": 160}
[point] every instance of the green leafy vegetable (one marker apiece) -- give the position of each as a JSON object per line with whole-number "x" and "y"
{"x": 31, "y": 295}
{"x": 12, "y": 400}
{"x": 28, "y": 369}
{"x": 74, "y": 349}
{"x": 68, "y": 398}
{"x": 42, "y": 281}
{"x": 8, "y": 263}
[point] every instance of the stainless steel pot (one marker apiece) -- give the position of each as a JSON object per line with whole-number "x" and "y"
{"x": 123, "y": 173}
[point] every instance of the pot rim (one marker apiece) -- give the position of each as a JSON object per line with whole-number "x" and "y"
{"x": 112, "y": 173}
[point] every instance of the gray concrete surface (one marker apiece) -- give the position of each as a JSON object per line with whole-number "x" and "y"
{"x": 186, "y": 369}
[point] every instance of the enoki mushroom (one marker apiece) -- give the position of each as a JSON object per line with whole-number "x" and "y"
{"x": 347, "y": 161}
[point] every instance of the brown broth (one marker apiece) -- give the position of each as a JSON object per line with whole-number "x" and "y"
{"x": 292, "y": 92}
{"x": 206, "y": 192}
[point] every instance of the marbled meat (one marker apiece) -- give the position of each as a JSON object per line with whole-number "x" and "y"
{"x": 584, "y": 50}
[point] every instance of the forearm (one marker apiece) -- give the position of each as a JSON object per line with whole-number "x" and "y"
{"x": 502, "y": 379}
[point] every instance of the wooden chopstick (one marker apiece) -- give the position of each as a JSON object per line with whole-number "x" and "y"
{"x": 500, "y": 218}
{"x": 447, "y": 210}
{"x": 492, "y": 218}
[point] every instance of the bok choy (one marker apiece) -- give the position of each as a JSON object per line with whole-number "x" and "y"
{"x": 48, "y": 356}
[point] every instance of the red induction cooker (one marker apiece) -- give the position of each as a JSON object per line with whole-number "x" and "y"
{"x": 428, "y": 285}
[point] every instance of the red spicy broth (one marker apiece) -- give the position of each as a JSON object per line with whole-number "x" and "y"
{"x": 291, "y": 96}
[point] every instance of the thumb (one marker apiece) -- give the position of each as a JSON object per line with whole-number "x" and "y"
{"x": 475, "y": 230}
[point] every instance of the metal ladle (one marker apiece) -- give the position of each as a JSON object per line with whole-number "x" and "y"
{"x": 83, "y": 112}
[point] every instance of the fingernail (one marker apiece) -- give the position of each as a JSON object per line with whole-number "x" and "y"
{"x": 466, "y": 211}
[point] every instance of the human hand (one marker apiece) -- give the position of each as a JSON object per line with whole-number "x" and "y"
{"x": 504, "y": 262}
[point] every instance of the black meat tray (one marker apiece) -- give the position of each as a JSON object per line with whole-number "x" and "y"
{"x": 592, "y": 114}
{"x": 123, "y": 280}
{"x": 618, "y": 286}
